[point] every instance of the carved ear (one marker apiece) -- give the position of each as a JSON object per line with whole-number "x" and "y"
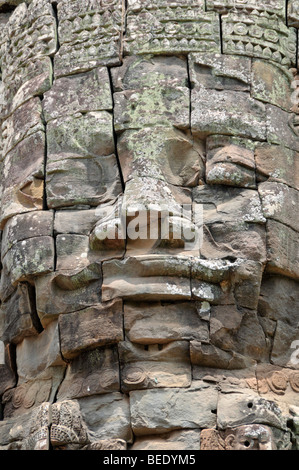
{"x": 229, "y": 441}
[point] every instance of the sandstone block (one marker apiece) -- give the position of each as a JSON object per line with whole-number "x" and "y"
{"x": 89, "y": 37}
{"x": 25, "y": 226}
{"x": 80, "y": 93}
{"x": 273, "y": 40}
{"x": 236, "y": 409}
{"x": 31, "y": 394}
{"x": 220, "y": 72}
{"x": 227, "y": 112}
{"x": 95, "y": 326}
{"x": 230, "y": 161}
{"x": 175, "y": 440}
{"x": 159, "y": 323}
{"x": 168, "y": 36}
{"x": 154, "y": 366}
{"x": 81, "y": 170}
{"x": 166, "y": 105}
{"x": 147, "y": 72}
{"x": 91, "y": 373}
{"x": 280, "y": 203}
{"x": 147, "y": 278}
{"x": 107, "y": 416}
{"x": 165, "y": 153}
{"x": 278, "y": 163}
{"x": 18, "y": 318}
{"x": 190, "y": 408}
{"x": 293, "y": 14}
{"x": 75, "y": 221}
{"x": 282, "y": 128}
{"x": 271, "y": 84}
{"x": 282, "y": 250}
{"x": 30, "y": 257}
{"x": 61, "y": 293}
{"x": 24, "y": 122}
{"x": 36, "y": 354}
{"x": 22, "y": 177}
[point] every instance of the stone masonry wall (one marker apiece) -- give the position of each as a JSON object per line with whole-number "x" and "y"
{"x": 123, "y": 342}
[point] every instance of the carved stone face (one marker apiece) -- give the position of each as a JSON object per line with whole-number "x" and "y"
{"x": 149, "y": 215}
{"x": 252, "y": 437}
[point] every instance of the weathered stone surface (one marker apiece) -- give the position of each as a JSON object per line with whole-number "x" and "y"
{"x": 280, "y": 203}
{"x": 282, "y": 128}
{"x": 208, "y": 355}
{"x": 67, "y": 426}
{"x": 107, "y": 416}
{"x": 78, "y": 93}
{"x": 18, "y": 318}
{"x": 159, "y": 218}
{"x": 107, "y": 444}
{"x": 33, "y": 393}
{"x": 30, "y": 257}
{"x": 81, "y": 170}
{"x": 258, "y": 35}
{"x": 147, "y": 278}
{"x": 282, "y": 250}
{"x": 176, "y": 440}
{"x": 35, "y": 80}
{"x": 166, "y": 105}
{"x": 230, "y": 161}
{"x": 89, "y": 36}
{"x": 233, "y": 222}
{"x": 7, "y": 370}
{"x": 174, "y": 409}
{"x": 149, "y": 255}
{"x": 73, "y": 252}
{"x": 236, "y": 409}
{"x": 138, "y": 72}
{"x": 220, "y": 72}
{"x": 24, "y": 122}
{"x": 165, "y": 153}
{"x": 293, "y": 14}
{"x": 157, "y": 29}
{"x": 92, "y": 373}
{"x": 95, "y": 326}
{"x": 247, "y": 437}
{"x": 34, "y": 355}
{"x": 155, "y": 366}
{"x": 75, "y": 221}
{"x": 30, "y": 37}
{"x": 28, "y": 431}
{"x": 271, "y": 84}
{"x": 22, "y": 177}
{"x": 278, "y": 299}
{"x": 229, "y": 380}
{"x": 159, "y": 323}
{"x": 278, "y": 163}
{"x": 67, "y": 292}
{"x": 278, "y": 384}
{"x": 240, "y": 331}
{"x": 229, "y": 113}
{"x": 276, "y": 7}
{"x": 26, "y": 226}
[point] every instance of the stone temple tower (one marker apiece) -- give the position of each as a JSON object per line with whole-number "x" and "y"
{"x": 149, "y": 155}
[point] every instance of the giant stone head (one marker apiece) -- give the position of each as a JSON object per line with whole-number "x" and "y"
{"x": 149, "y": 217}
